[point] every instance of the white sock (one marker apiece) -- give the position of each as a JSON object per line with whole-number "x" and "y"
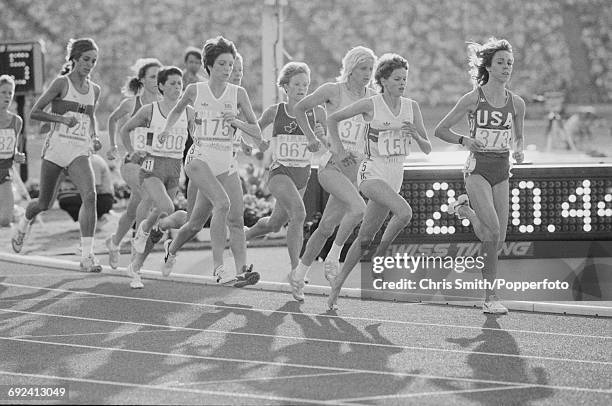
{"x": 86, "y": 246}
{"x": 301, "y": 270}
{"x": 334, "y": 253}
{"x": 23, "y": 224}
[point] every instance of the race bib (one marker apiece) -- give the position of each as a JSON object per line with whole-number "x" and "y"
{"x": 139, "y": 138}
{"x": 7, "y": 143}
{"x": 173, "y": 144}
{"x": 148, "y": 164}
{"x": 292, "y": 148}
{"x": 494, "y": 140}
{"x": 350, "y": 131}
{"x": 79, "y": 133}
{"x": 393, "y": 143}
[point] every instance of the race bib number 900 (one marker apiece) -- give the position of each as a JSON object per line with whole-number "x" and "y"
{"x": 494, "y": 140}
{"x": 393, "y": 143}
{"x": 292, "y": 148}
{"x": 7, "y": 143}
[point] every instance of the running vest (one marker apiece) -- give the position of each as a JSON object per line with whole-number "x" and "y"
{"x": 289, "y": 141}
{"x": 212, "y": 133}
{"x": 352, "y": 130}
{"x": 74, "y": 104}
{"x": 491, "y": 125}
{"x": 8, "y": 139}
{"x": 174, "y": 144}
{"x": 384, "y": 137}
{"x": 139, "y": 134}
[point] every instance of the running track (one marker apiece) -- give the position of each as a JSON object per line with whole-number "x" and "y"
{"x": 178, "y": 343}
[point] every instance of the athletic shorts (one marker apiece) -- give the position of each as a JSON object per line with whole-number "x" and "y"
{"x": 168, "y": 170}
{"x": 5, "y": 175}
{"x": 389, "y": 170}
{"x": 219, "y": 162}
{"x": 493, "y": 166}
{"x": 63, "y": 153}
{"x": 349, "y": 167}
{"x": 298, "y": 174}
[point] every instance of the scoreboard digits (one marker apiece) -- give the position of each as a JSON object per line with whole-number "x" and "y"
{"x": 546, "y": 203}
{"x": 24, "y": 62}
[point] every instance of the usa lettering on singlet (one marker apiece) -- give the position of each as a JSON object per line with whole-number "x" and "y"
{"x": 492, "y": 126}
{"x": 290, "y": 143}
{"x": 174, "y": 144}
{"x": 8, "y": 139}
{"x": 80, "y": 106}
{"x": 212, "y": 132}
{"x": 384, "y": 136}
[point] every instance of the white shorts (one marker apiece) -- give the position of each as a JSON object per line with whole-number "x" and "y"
{"x": 62, "y": 153}
{"x": 389, "y": 170}
{"x": 218, "y": 161}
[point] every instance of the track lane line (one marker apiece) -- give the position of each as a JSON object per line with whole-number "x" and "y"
{"x": 79, "y": 292}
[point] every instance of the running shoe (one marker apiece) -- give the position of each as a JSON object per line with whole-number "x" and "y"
{"x": 20, "y": 233}
{"x": 330, "y": 269}
{"x": 90, "y": 264}
{"x": 136, "y": 282}
{"x": 140, "y": 240}
{"x": 222, "y": 276}
{"x": 246, "y": 277}
{"x": 297, "y": 286}
{"x": 462, "y": 201}
{"x": 156, "y": 234}
{"x": 113, "y": 252}
{"x": 492, "y": 305}
{"x": 169, "y": 259}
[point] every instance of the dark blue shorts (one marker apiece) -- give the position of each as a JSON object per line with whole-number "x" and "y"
{"x": 493, "y": 166}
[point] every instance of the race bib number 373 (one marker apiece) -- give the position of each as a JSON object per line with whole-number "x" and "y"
{"x": 494, "y": 140}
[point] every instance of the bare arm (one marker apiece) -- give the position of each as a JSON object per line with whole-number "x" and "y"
{"x": 443, "y": 130}
{"x": 267, "y": 117}
{"x": 188, "y": 99}
{"x": 124, "y": 108}
{"x": 316, "y": 98}
{"x": 140, "y": 119}
{"x": 94, "y": 122}
{"x": 249, "y": 126}
{"x": 519, "y": 121}
{"x": 54, "y": 91}
{"x": 18, "y": 156}
{"x": 421, "y": 133}
{"x": 363, "y": 106}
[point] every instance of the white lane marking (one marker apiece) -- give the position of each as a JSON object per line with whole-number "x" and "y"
{"x": 480, "y": 328}
{"x": 320, "y": 340}
{"x": 435, "y": 393}
{"x": 172, "y": 389}
{"x": 315, "y": 367}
